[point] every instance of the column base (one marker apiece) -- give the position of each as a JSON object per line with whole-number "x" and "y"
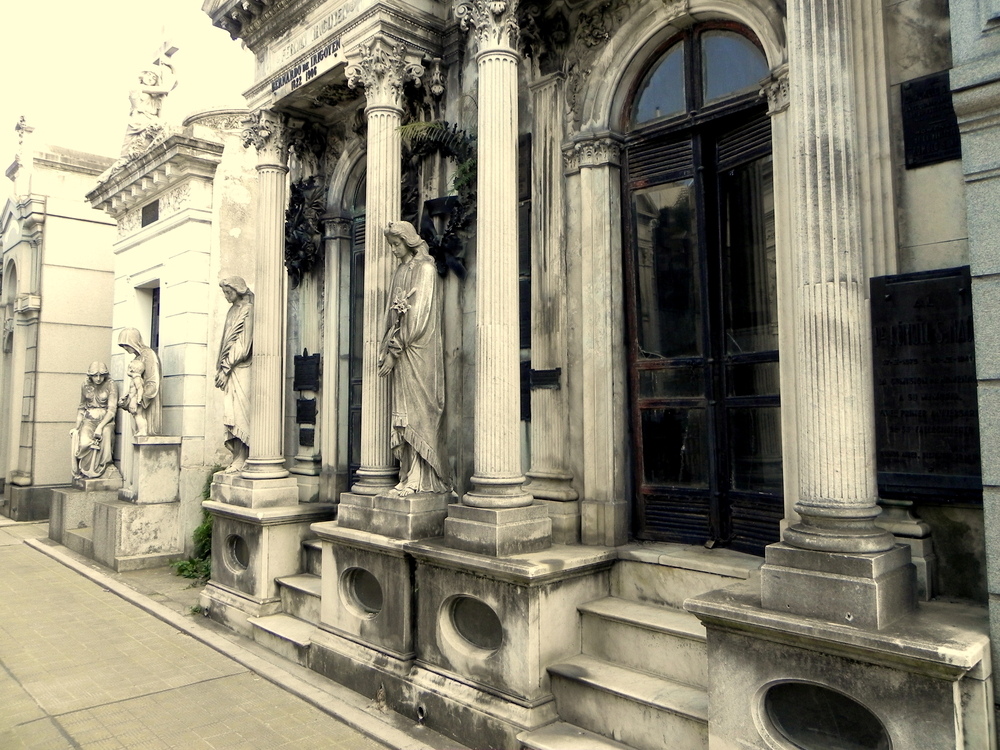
{"x": 565, "y": 517}
{"x": 860, "y": 590}
{"x": 498, "y": 532}
{"x": 897, "y": 519}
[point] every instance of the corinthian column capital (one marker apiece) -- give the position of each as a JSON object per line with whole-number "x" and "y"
{"x": 267, "y": 133}
{"x": 380, "y": 67}
{"x": 494, "y": 22}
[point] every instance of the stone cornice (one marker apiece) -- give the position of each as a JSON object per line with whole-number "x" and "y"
{"x": 256, "y": 21}
{"x": 159, "y": 169}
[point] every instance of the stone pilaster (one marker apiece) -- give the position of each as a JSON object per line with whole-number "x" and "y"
{"x": 380, "y": 67}
{"x": 267, "y": 135}
{"x": 593, "y": 167}
{"x": 549, "y": 477}
{"x": 835, "y": 563}
{"x": 509, "y": 522}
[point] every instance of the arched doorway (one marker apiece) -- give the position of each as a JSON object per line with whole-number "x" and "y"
{"x": 702, "y": 294}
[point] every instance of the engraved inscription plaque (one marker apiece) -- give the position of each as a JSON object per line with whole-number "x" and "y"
{"x": 930, "y": 128}
{"x": 305, "y": 410}
{"x": 926, "y": 409}
{"x": 307, "y": 372}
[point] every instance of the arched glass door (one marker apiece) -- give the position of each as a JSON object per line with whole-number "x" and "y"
{"x": 700, "y": 258}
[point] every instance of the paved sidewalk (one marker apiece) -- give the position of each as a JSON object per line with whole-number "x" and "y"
{"x": 81, "y": 667}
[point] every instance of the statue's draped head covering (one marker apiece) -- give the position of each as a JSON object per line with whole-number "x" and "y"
{"x": 97, "y": 368}
{"x": 404, "y": 230}
{"x": 238, "y": 285}
{"x": 132, "y": 339}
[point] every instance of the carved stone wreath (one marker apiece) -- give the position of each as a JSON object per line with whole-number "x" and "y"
{"x": 303, "y": 229}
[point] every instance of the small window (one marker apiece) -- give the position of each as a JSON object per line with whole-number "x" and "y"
{"x": 662, "y": 93}
{"x": 732, "y": 64}
{"x": 150, "y": 212}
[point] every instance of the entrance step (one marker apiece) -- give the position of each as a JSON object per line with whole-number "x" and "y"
{"x": 80, "y": 540}
{"x": 563, "y": 736}
{"x": 644, "y": 711}
{"x": 285, "y": 635}
{"x": 312, "y": 557}
{"x": 667, "y": 574}
{"x": 652, "y": 638}
{"x": 300, "y": 596}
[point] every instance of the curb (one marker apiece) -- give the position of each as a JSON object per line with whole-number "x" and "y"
{"x": 327, "y": 696}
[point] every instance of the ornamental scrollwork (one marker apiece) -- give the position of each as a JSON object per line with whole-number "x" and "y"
{"x": 776, "y": 90}
{"x": 267, "y": 133}
{"x": 494, "y": 21}
{"x": 303, "y": 227}
{"x": 381, "y": 69}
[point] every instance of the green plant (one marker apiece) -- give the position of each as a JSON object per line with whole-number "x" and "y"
{"x": 199, "y": 565}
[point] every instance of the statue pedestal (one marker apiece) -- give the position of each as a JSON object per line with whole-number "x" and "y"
{"x": 141, "y": 528}
{"x": 71, "y": 516}
{"x": 417, "y": 516}
{"x": 498, "y": 532}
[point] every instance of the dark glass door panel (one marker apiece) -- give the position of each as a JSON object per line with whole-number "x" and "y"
{"x": 675, "y": 447}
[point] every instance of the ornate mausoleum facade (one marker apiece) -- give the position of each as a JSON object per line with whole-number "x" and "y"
{"x": 621, "y": 371}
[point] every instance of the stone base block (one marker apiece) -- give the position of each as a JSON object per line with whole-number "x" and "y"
{"x": 367, "y": 587}
{"x": 27, "y": 503}
{"x": 498, "y": 532}
{"x": 74, "y": 509}
{"x": 417, "y": 516}
{"x": 154, "y": 476}
{"x": 234, "y": 610}
{"x": 499, "y": 622}
{"x": 80, "y": 541}
{"x": 355, "y": 511}
{"x": 363, "y": 669}
{"x": 111, "y": 481}
{"x": 565, "y": 517}
{"x": 233, "y": 489}
{"x": 130, "y": 537}
{"x": 924, "y": 681}
{"x": 860, "y": 590}
{"x": 253, "y": 546}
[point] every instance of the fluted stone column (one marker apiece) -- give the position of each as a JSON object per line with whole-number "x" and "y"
{"x": 835, "y": 563}
{"x": 268, "y": 135}
{"x": 549, "y": 478}
{"x": 497, "y": 516}
{"x": 379, "y": 66}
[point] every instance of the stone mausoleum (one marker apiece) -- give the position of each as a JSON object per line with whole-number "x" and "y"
{"x": 669, "y": 421}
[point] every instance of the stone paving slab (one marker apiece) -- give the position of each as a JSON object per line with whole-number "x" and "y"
{"x": 81, "y": 667}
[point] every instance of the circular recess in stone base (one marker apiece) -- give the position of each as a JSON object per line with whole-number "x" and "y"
{"x": 807, "y": 715}
{"x": 476, "y": 622}
{"x": 237, "y": 553}
{"x": 361, "y": 592}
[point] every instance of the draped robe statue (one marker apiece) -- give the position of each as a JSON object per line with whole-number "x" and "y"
{"x": 411, "y": 355}
{"x": 94, "y": 434}
{"x": 232, "y": 373}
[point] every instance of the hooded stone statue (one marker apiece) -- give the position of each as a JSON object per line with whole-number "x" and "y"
{"x": 146, "y": 404}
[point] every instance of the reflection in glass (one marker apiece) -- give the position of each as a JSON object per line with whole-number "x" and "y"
{"x": 662, "y": 93}
{"x": 748, "y": 251}
{"x": 675, "y": 448}
{"x": 753, "y": 379}
{"x": 755, "y": 448}
{"x": 667, "y": 273}
{"x": 672, "y": 382}
{"x": 731, "y": 63}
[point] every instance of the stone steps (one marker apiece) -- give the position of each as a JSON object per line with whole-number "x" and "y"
{"x": 300, "y": 596}
{"x": 563, "y": 736}
{"x": 80, "y": 541}
{"x": 285, "y": 635}
{"x": 312, "y": 557}
{"x": 656, "y": 639}
{"x": 641, "y": 710}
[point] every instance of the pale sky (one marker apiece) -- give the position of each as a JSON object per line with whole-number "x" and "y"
{"x": 68, "y": 66}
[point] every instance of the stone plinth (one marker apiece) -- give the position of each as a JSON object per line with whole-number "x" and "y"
{"x": 128, "y": 536}
{"x": 417, "y": 516}
{"x": 498, "y": 531}
{"x": 367, "y": 589}
{"x": 482, "y": 675}
{"x": 155, "y": 471}
{"x": 251, "y": 546}
{"x": 927, "y": 678}
{"x": 863, "y": 590}
{"x": 234, "y": 489}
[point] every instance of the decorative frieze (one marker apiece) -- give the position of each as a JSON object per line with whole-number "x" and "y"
{"x": 380, "y": 67}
